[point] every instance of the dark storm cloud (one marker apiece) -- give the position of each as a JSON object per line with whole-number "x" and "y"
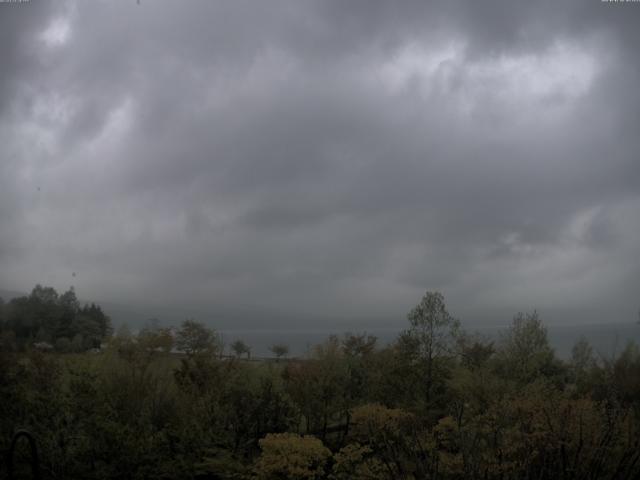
{"x": 323, "y": 159}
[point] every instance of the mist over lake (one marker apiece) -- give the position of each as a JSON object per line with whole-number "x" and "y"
{"x": 607, "y": 340}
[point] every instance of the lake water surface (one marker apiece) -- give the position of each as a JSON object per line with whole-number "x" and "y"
{"x": 606, "y": 339}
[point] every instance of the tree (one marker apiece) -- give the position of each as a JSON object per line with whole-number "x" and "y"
{"x": 45, "y": 314}
{"x": 63, "y": 344}
{"x": 101, "y": 321}
{"x": 155, "y": 338}
{"x": 8, "y": 341}
{"x": 525, "y": 352}
{"x": 317, "y": 386}
{"x": 582, "y": 358}
{"x": 43, "y": 336}
{"x": 583, "y": 367}
{"x": 474, "y": 350}
{"x": 358, "y": 345}
{"x": 88, "y": 328}
{"x": 194, "y": 338}
{"x": 46, "y": 295}
{"x": 624, "y": 373}
{"x": 390, "y": 435}
{"x": 240, "y": 348}
{"x": 358, "y": 462}
{"x": 291, "y": 456}
{"x": 280, "y": 350}
{"x": 431, "y": 335}
{"x": 77, "y": 343}
{"x": 358, "y": 350}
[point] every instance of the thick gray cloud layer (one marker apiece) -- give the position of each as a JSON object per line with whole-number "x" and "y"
{"x": 311, "y": 160}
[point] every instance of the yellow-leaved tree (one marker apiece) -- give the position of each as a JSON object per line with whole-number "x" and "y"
{"x": 291, "y": 456}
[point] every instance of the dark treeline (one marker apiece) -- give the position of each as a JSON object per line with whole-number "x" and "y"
{"x": 53, "y": 321}
{"x": 438, "y": 403}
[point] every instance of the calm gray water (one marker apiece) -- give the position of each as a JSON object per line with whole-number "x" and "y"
{"x": 606, "y": 340}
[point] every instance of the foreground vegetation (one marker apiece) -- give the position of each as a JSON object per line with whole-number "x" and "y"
{"x": 436, "y": 404}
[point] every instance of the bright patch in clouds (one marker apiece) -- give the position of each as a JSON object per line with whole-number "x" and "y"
{"x": 563, "y": 69}
{"x": 57, "y": 33}
{"x": 563, "y": 72}
{"x": 414, "y": 62}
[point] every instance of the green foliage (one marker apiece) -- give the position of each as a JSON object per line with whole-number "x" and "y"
{"x": 280, "y": 350}
{"x": 156, "y": 339}
{"x": 358, "y": 345}
{"x": 194, "y": 338}
{"x": 525, "y": 351}
{"x": 240, "y": 348}
{"x": 432, "y": 327}
{"x": 358, "y": 462}
{"x": 46, "y": 317}
{"x": 431, "y": 337}
{"x": 474, "y": 351}
{"x": 393, "y": 437}
{"x": 623, "y": 375}
{"x": 320, "y": 388}
{"x": 139, "y": 409}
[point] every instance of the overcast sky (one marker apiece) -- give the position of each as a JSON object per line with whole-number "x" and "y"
{"x": 307, "y": 161}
